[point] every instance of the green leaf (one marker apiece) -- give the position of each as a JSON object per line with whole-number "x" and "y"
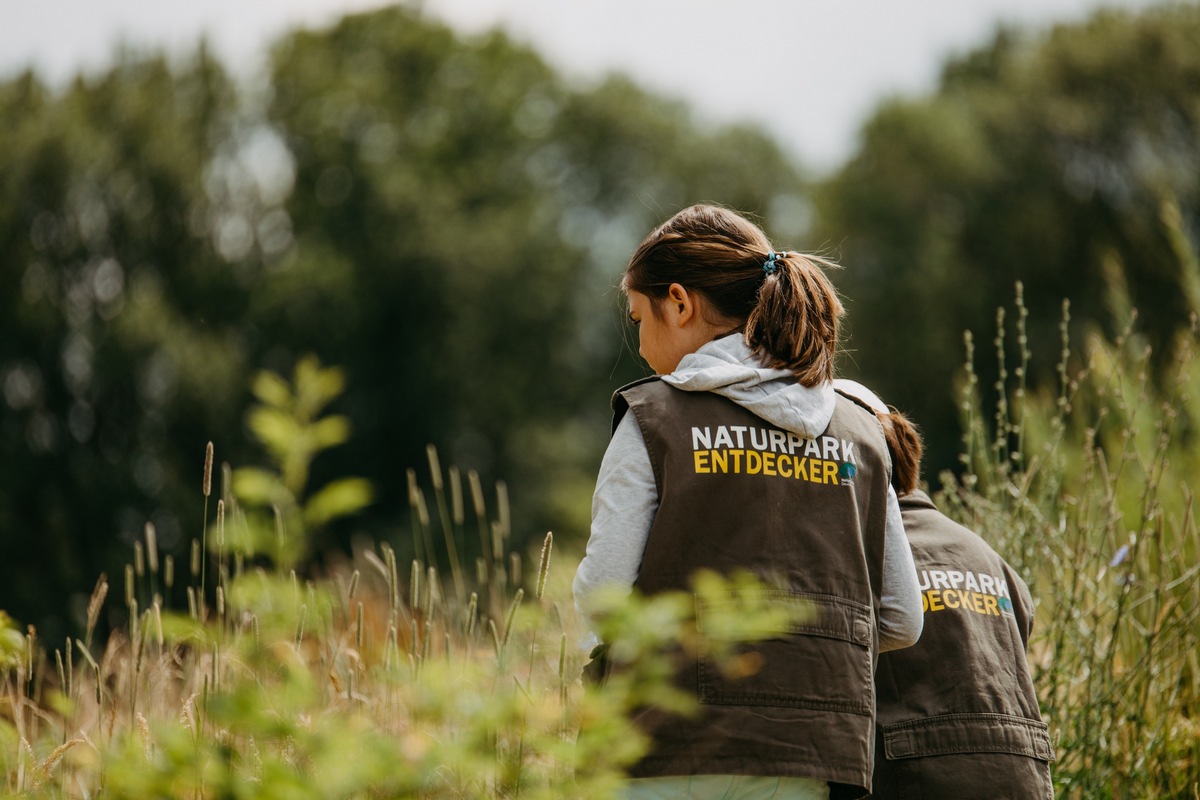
{"x": 12, "y": 643}
{"x": 257, "y": 486}
{"x": 329, "y": 432}
{"x": 338, "y": 499}
{"x": 316, "y": 386}
{"x": 272, "y": 390}
{"x": 277, "y": 430}
{"x": 182, "y": 628}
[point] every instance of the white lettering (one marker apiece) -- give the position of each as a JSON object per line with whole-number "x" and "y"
{"x": 739, "y": 430}
{"x": 701, "y": 439}
{"x": 723, "y": 438}
{"x": 831, "y": 447}
{"x": 972, "y": 584}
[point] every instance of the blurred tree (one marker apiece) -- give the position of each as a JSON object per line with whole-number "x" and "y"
{"x": 443, "y": 217}
{"x": 119, "y": 354}
{"x": 1047, "y": 159}
{"x": 461, "y": 216}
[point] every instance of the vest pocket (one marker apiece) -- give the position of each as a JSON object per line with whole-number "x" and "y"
{"x": 968, "y": 733}
{"x": 821, "y": 662}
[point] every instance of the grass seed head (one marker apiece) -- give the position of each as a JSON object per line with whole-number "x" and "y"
{"x": 95, "y": 604}
{"x": 151, "y": 547}
{"x": 544, "y": 563}
{"x": 208, "y": 462}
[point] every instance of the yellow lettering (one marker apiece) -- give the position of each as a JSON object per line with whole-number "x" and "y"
{"x": 737, "y": 461}
{"x": 977, "y": 603}
{"x": 829, "y": 470}
{"x": 769, "y": 464}
{"x": 785, "y": 461}
{"x": 940, "y": 599}
{"x": 720, "y": 461}
{"x": 753, "y": 462}
{"x": 701, "y": 457}
{"x": 935, "y": 600}
{"x": 802, "y": 468}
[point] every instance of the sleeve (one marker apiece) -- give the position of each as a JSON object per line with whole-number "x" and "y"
{"x": 623, "y": 508}
{"x": 900, "y": 615}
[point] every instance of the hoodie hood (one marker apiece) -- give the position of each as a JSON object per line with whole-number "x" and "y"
{"x": 861, "y": 393}
{"x": 727, "y": 367}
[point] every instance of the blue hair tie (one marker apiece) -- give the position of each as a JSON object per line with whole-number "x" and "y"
{"x": 769, "y": 265}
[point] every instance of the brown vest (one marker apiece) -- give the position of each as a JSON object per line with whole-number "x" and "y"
{"x": 808, "y": 515}
{"x": 957, "y": 712}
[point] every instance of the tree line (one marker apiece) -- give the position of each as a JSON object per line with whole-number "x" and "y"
{"x": 445, "y": 217}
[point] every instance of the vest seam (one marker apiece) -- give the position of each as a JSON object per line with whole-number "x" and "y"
{"x": 815, "y": 705}
{"x": 921, "y": 722}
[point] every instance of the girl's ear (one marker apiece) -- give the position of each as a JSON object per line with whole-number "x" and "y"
{"x": 679, "y": 305}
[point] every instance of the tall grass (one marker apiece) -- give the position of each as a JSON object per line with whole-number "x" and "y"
{"x": 384, "y": 679}
{"x": 374, "y": 679}
{"x": 1090, "y": 493}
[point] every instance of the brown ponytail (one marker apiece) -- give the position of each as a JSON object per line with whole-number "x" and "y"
{"x": 906, "y": 448}
{"x": 795, "y": 322}
{"x": 789, "y": 316}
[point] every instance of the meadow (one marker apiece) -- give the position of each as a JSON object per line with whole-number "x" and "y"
{"x": 439, "y": 678}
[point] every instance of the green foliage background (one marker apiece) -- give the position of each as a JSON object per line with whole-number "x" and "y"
{"x": 1045, "y": 158}
{"x": 445, "y": 217}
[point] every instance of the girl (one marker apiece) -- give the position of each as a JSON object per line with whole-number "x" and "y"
{"x": 957, "y": 713}
{"x": 742, "y": 456}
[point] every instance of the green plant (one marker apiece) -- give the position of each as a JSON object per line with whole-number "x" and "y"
{"x": 1088, "y": 491}
{"x": 283, "y": 510}
{"x": 367, "y": 681}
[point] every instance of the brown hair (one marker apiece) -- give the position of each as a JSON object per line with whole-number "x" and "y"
{"x": 906, "y": 448}
{"x": 789, "y": 317}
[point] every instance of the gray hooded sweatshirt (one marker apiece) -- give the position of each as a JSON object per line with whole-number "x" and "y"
{"x": 626, "y": 499}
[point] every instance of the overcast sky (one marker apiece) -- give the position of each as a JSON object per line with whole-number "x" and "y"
{"x": 809, "y": 70}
